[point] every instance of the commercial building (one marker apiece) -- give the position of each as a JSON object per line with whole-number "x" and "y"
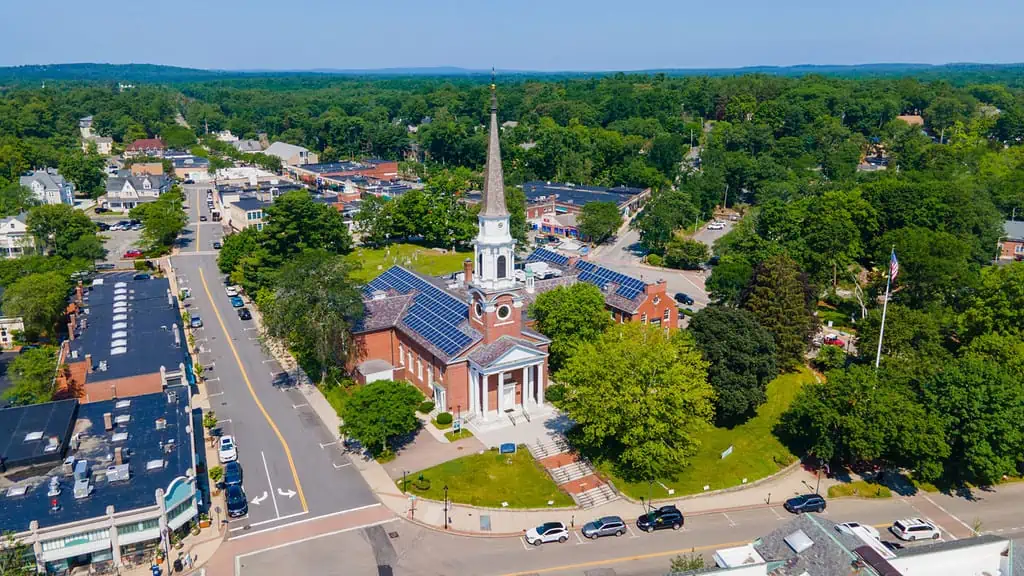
{"x": 290, "y": 154}
{"x": 125, "y": 191}
{"x": 14, "y": 237}
{"x": 552, "y": 208}
{"x": 125, "y": 339}
{"x": 101, "y": 486}
{"x": 147, "y": 169}
{"x": 811, "y": 545}
{"x": 246, "y": 212}
{"x": 465, "y": 344}
{"x": 49, "y": 187}
{"x": 628, "y": 299}
{"x": 194, "y": 168}
{"x": 145, "y": 147}
{"x": 334, "y": 174}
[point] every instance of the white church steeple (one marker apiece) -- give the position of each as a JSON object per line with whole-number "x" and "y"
{"x": 494, "y": 247}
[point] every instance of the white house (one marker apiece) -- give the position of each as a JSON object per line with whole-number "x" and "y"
{"x": 14, "y": 236}
{"x": 8, "y": 326}
{"x": 125, "y": 192}
{"x": 49, "y": 187}
{"x": 291, "y": 154}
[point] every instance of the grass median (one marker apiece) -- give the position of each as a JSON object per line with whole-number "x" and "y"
{"x": 418, "y": 258}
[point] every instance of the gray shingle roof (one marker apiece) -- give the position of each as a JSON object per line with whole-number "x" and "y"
{"x": 1013, "y": 230}
{"x": 488, "y": 353}
{"x": 50, "y": 178}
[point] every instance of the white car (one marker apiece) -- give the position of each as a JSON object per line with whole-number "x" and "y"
{"x": 547, "y": 532}
{"x": 853, "y": 528}
{"x": 231, "y": 291}
{"x": 716, "y": 225}
{"x": 914, "y": 529}
{"x": 227, "y": 451}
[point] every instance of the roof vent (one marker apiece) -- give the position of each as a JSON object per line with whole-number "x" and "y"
{"x": 82, "y": 489}
{"x": 799, "y": 541}
{"x": 54, "y": 489}
{"x": 172, "y": 397}
{"x": 155, "y": 465}
{"x": 161, "y": 423}
{"x": 31, "y": 436}
{"x": 16, "y": 491}
{"x": 103, "y": 363}
{"x": 123, "y": 404}
{"x": 108, "y": 423}
{"x": 74, "y": 354}
{"x": 379, "y": 295}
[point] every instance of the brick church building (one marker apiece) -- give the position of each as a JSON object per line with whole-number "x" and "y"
{"x": 465, "y": 343}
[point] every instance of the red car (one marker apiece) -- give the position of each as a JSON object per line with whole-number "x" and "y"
{"x": 833, "y": 340}
{"x": 132, "y": 254}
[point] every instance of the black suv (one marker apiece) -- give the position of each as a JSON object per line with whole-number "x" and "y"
{"x": 661, "y": 518}
{"x": 805, "y": 503}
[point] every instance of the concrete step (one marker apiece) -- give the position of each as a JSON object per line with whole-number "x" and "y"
{"x": 595, "y": 496}
{"x": 571, "y": 472}
{"x": 544, "y": 448}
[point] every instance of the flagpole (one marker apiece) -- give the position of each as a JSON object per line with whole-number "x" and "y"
{"x": 885, "y": 306}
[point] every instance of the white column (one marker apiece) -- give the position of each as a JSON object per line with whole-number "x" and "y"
{"x": 472, "y": 406}
{"x": 501, "y": 393}
{"x": 528, "y": 385}
{"x": 487, "y": 397}
{"x": 540, "y": 383}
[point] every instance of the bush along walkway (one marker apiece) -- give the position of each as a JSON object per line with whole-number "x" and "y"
{"x": 572, "y": 474}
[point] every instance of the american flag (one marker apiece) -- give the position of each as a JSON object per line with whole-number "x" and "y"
{"x": 894, "y": 267}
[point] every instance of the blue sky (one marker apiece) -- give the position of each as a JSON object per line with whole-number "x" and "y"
{"x": 509, "y": 34}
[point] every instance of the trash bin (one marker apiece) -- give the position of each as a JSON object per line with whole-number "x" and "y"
{"x": 179, "y": 565}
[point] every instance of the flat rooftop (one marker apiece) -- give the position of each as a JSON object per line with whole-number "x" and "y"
{"x": 35, "y": 434}
{"x": 156, "y": 454}
{"x": 129, "y": 327}
{"x": 539, "y": 191}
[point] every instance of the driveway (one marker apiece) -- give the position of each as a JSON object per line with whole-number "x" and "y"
{"x": 424, "y": 451}
{"x": 118, "y": 242}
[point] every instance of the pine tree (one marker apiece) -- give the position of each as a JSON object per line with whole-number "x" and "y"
{"x": 781, "y": 300}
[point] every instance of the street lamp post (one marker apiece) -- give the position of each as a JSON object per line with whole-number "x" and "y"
{"x": 445, "y": 506}
{"x": 403, "y": 481}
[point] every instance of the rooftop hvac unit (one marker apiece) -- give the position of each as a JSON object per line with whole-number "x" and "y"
{"x": 54, "y": 489}
{"x": 117, "y": 473}
{"x": 161, "y": 423}
{"x": 82, "y": 489}
{"x": 82, "y": 470}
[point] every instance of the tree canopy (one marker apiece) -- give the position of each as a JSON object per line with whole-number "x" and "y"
{"x": 379, "y": 413}
{"x": 599, "y": 221}
{"x": 570, "y": 316}
{"x": 780, "y": 300}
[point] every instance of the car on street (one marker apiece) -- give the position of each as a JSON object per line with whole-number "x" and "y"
{"x": 195, "y": 322}
{"x": 102, "y": 226}
{"x": 227, "y": 451}
{"x": 607, "y": 526}
{"x": 244, "y": 313}
{"x": 129, "y": 254}
{"x": 661, "y": 518}
{"x": 853, "y": 528}
{"x": 237, "y": 301}
{"x": 217, "y": 245}
{"x": 911, "y": 529}
{"x": 106, "y": 266}
{"x": 716, "y": 225}
{"x": 202, "y": 218}
{"x": 233, "y": 473}
{"x": 189, "y": 181}
{"x": 684, "y": 299}
{"x": 547, "y": 532}
{"x": 892, "y": 546}
{"x": 238, "y": 503}
{"x": 805, "y": 503}
{"x": 101, "y": 210}
{"x": 231, "y": 291}
{"x": 833, "y": 340}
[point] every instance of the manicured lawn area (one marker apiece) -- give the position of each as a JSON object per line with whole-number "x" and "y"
{"x": 453, "y": 436}
{"x": 423, "y": 260}
{"x": 859, "y": 488}
{"x": 756, "y": 451}
{"x": 489, "y": 479}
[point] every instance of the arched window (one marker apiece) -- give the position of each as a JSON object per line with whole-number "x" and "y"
{"x": 480, "y": 264}
{"x": 501, "y": 266}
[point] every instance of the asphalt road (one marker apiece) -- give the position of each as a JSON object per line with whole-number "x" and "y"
{"x": 400, "y": 548}
{"x": 292, "y": 469}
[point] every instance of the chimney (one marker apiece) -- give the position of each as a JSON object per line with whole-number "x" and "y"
{"x": 78, "y": 292}
{"x": 118, "y": 458}
{"x": 71, "y": 329}
{"x": 467, "y": 271}
{"x": 572, "y": 261}
{"x": 108, "y": 422}
{"x": 88, "y": 363}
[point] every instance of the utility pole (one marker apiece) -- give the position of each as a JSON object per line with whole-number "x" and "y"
{"x": 725, "y": 201}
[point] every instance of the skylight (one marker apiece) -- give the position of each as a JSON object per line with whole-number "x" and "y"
{"x": 119, "y": 343}
{"x": 116, "y": 351}
{"x": 33, "y": 436}
{"x": 121, "y": 285}
{"x": 119, "y": 334}
{"x": 120, "y": 317}
{"x": 120, "y": 326}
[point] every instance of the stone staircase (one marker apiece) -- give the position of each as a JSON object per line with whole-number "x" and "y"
{"x": 570, "y": 472}
{"x": 552, "y": 447}
{"x": 574, "y": 476}
{"x": 595, "y": 496}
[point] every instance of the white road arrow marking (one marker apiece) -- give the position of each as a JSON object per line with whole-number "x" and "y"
{"x": 290, "y": 493}
{"x": 259, "y": 499}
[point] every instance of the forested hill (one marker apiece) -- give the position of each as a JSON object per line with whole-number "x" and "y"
{"x": 1012, "y": 74}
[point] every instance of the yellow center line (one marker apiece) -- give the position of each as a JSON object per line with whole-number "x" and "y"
{"x": 628, "y": 558}
{"x": 248, "y": 383}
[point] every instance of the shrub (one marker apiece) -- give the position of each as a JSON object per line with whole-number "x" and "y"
{"x": 425, "y": 407}
{"x": 686, "y": 254}
{"x": 444, "y": 418}
{"x": 216, "y": 474}
{"x": 859, "y": 488}
{"x": 655, "y": 260}
{"x": 142, "y": 265}
{"x": 554, "y": 393}
{"x": 421, "y": 483}
{"x": 830, "y": 358}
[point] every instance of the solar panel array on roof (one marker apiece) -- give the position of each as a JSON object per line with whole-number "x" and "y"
{"x": 434, "y": 314}
{"x": 628, "y": 287}
{"x": 544, "y": 255}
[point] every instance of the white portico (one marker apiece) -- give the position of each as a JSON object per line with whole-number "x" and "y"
{"x": 513, "y": 381}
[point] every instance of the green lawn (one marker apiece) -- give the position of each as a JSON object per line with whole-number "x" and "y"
{"x": 489, "y": 479}
{"x": 756, "y": 451}
{"x": 423, "y": 260}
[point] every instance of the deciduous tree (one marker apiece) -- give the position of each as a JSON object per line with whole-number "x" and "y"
{"x": 600, "y": 221}
{"x": 39, "y": 300}
{"x": 686, "y": 254}
{"x": 60, "y": 228}
{"x": 639, "y": 396}
{"x": 32, "y": 376}
{"x": 380, "y": 412}
{"x": 569, "y": 316}
{"x": 162, "y": 220}
{"x": 728, "y": 280}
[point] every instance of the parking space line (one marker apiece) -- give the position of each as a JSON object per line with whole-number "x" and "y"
{"x": 262, "y": 522}
{"x": 215, "y": 394}
{"x": 579, "y": 540}
{"x": 951, "y": 515}
{"x": 731, "y": 523}
{"x": 325, "y": 444}
{"x": 340, "y": 466}
{"x": 525, "y": 547}
{"x": 631, "y": 533}
{"x": 297, "y": 406}
{"x": 269, "y": 361}
{"x": 272, "y": 496}
{"x": 941, "y": 529}
{"x": 777, "y": 516}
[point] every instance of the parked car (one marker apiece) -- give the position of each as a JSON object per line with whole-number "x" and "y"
{"x": 854, "y": 527}
{"x": 244, "y": 313}
{"x": 102, "y": 226}
{"x": 196, "y": 322}
{"x": 607, "y": 526}
{"x": 142, "y": 276}
{"x": 202, "y": 218}
{"x": 189, "y": 181}
{"x": 892, "y": 546}
{"x": 227, "y": 451}
{"x": 238, "y": 503}
{"x": 833, "y": 340}
{"x": 101, "y": 210}
{"x": 683, "y": 299}
{"x": 106, "y": 266}
{"x": 231, "y": 291}
{"x": 547, "y": 532}
{"x": 734, "y": 217}
{"x": 233, "y": 473}
{"x": 805, "y": 503}
{"x": 217, "y": 245}
{"x": 133, "y": 253}
{"x": 661, "y": 518}
{"x": 716, "y": 225}
{"x": 237, "y": 301}
{"x": 914, "y": 529}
